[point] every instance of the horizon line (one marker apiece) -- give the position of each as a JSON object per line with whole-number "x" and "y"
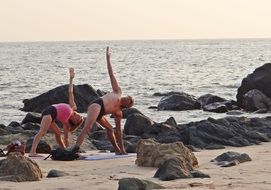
{"x": 162, "y": 39}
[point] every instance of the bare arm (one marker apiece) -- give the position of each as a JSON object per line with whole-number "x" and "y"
{"x": 70, "y": 90}
{"x": 118, "y": 132}
{"x": 113, "y": 79}
{"x": 66, "y": 134}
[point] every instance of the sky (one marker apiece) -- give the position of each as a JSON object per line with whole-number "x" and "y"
{"x": 88, "y": 20}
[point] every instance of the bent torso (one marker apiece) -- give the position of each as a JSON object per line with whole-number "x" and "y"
{"x": 112, "y": 104}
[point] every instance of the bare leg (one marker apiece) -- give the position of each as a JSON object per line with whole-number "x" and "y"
{"x": 93, "y": 112}
{"x": 110, "y": 134}
{"x": 45, "y": 124}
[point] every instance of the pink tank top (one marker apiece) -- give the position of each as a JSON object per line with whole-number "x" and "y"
{"x": 64, "y": 111}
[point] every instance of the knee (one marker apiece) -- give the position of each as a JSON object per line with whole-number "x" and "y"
{"x": 41, "y": 133}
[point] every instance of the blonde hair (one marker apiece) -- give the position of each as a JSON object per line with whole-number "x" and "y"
{"x": 75, "y": 126}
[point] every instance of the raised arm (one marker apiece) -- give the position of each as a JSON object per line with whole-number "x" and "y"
{"x": 113, "y": 79}
{"x": 71, "y": 96}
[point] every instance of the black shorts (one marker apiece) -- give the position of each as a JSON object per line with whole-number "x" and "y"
{"x": 102, "y": 111}
{"x": 50, "y": 110}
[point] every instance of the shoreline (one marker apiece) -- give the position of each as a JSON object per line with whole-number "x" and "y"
{"x": 104, "y": 174}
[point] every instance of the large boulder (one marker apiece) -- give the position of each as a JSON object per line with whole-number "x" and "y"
{"x": 260, "y": 79}
{"x": 83, "y": 94}
{"x": 153, "y": 154}
{"x": 19, "y": 168}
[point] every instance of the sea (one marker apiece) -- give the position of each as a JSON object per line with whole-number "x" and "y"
{"x": 142, "y": 68}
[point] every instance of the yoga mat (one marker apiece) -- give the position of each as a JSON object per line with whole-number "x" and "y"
{"x": 105, "y": 156}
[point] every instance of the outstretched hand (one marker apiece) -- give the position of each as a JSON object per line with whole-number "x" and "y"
{"x": 72, "y": 73}
{"x": 108, "y": 54}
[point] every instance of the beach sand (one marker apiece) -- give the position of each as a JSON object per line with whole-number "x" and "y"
{"x": 104, "y": 174}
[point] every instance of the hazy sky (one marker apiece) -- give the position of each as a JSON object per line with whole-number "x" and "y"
{"x": 64, "y": 20}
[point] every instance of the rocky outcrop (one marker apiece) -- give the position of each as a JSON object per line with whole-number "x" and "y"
{"x": 260, "y": 79}
{"x": 178, "y": 102}
{"x": 153, "y": 154}
{"x": 19, "y": 168}
{"x": 83, "y": 94}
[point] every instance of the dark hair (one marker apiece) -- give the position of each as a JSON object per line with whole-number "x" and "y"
{"x": 131, "y": 101}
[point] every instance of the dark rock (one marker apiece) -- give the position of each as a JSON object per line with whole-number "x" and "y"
{"x": 260, "y": 79}
{"x": 83, "y": 94}
{"x": 14, "y": 127}
{"x": 56, "y": 173}
{"x": 43, "y": 146}
{"x": 166, "y": 93}
{"x": 199, "y": 174}
{"x": 137, "y": 124}
{"x": 32, "y": 117}
{"x": 255, "y": 100}
{"x": 171, "y": 169}
{"x": 153, "y": 107}
{"x": 102, "y": 144}
{"x": 137, "y": 184}
{"x": 171, "y": 121}
{"x": 131, "y": 142}
{"x": 234, "y": 112}
{"x": 209, "y": 99}
{"x": 178, "y": 102}
{"x": 163, "y": 133}
{"x": 229, "y": 131}
{"x": 230, "y": 156}
{"x": 99, "y": 135}
{"x": 3, "y": 131}
{"x": 214, "y": 146}
{"x": 31, "y": 126}
{"x": 128, "y": 111}
{"x": 216, "y": 107}
{"x": 14, "y": 124}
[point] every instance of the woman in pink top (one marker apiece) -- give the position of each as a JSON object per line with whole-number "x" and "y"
{"x": 64, "y": 113}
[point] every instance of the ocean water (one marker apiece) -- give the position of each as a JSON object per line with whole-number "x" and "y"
{"x": 142, "y": 68}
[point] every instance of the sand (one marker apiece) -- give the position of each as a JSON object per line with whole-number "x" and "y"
{"x": 104, "y": 174}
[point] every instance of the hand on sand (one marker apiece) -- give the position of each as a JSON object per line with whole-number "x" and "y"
{"x": 121, "y": 153}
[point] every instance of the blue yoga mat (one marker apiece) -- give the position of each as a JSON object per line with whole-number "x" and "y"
{"x": 105, "y": 156}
